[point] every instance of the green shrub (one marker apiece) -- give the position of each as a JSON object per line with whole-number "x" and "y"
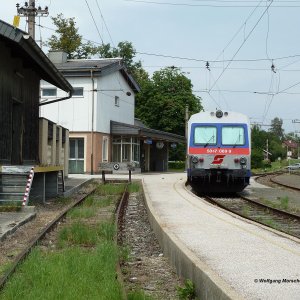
{"x": 177, "y": 165}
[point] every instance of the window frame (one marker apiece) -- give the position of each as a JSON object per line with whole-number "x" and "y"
{"x": 117, "y": 101}
{"x": 81, "y": 88}
{"x": 49, "y": 89}
{"x": 233, "y": 144}
{"x": 207, "y": 143}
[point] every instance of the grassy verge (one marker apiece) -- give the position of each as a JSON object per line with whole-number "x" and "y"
{"x": 80, "y": 261}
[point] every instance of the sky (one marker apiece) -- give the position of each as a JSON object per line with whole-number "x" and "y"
{"x": 252, "y": 47}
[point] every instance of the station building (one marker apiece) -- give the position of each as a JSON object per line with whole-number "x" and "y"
{"x": 100, "y": 116}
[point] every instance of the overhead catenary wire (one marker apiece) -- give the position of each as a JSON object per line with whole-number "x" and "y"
{"x": 205, "y": 5}
{"x": 238, "y": 50}
{"x": 94, "y": 22}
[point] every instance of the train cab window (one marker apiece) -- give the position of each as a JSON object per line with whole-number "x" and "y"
{"x": 233, "y": 135}
{"x": 205, "y": 135}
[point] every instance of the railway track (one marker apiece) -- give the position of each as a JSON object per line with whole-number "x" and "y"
{"x": 271, "y": 177}
{"x": 260, "y": 213}
{"x": 119, "y": 212}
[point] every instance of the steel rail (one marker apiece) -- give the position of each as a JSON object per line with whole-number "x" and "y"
{"x": 119, "y": 213}
{"x": 274, "y": 211}
{"x": 284, "y": 185}
{"x": 21, "y": 257}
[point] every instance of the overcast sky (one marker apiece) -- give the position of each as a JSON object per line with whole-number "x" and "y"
{"x": 239, "y": 39}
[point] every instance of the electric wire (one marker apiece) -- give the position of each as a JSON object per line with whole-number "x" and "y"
{"x": 242, "y": 44}
{"x": 205, "y": 5}
{"x": 94, "y": 21}
{"x": 105, "y": 23}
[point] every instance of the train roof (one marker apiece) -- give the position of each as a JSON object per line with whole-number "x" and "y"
{"x": 219, "y": 117}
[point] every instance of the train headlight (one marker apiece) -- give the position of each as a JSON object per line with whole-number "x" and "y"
{"x": 219, "y": 114}
{"x": 243, "y": 160}
{"x": 194, "y": 159}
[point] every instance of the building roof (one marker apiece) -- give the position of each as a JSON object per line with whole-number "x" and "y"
{"x": 139, "y": 129}
{"x": 290, "y": 144}
{"x": 100, "y": 67}
{"x": 22, "y": 45}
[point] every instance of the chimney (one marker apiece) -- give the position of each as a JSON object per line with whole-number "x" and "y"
{"x": 58, "y": 56}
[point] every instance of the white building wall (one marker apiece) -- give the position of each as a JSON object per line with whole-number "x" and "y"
{"x": 109, "y": 87}
{"x": 76, "y": 113}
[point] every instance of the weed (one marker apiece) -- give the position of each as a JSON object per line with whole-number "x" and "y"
{"x": 134, "y": 187}
{"x": 98, "y": 201}
{"x": 124, "y": 254}
{"x": 72, "y": 273}
{"x": 187, "y": 292}
{"x": 110, "y": 189}
{"x": 77, "y": 234}
{"x": 107, "y": 231}
{"x": 245, "y": 211}
{"x": 284, "y": 202}
{"x": 81, "y": 212}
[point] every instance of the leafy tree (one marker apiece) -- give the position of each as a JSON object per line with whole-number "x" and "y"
{"x": 163, "y": 99}
{"x": 276, "y": 128}
{"x": 69, "y": 40}
{"x": 126, "y": 51}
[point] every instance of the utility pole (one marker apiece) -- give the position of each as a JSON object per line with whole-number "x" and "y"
{"x": 29, "y": 11}
{"x": 186, "y": 134}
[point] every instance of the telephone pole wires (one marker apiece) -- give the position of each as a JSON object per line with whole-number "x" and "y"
{"x": 29, "y": 11}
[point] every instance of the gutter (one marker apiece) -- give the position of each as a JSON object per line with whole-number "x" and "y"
{"x": 57, "y": 100}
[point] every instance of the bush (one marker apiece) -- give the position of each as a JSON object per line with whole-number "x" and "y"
{"x": 177, "y": 165}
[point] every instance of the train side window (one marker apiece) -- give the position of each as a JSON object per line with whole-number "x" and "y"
{"x": 205, "y": 135}
{"x": 233, "y": 135}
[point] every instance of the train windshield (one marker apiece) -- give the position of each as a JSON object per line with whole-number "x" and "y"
{"x": 233, "y": 135}
{"x": 205, "y": 135}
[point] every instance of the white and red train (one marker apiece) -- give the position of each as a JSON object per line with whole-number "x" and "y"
{"x": 219, "y": 151}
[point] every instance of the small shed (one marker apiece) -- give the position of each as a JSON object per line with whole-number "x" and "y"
{"x": 22, "y": 65}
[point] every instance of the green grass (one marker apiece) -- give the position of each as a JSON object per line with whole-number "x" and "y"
{"x": 134, "y": 187}
{"x": 72, "y": 273}
{"x": 284, "y": 202}
{"x": 110, "y": 189}
{"x": 77, "y": 234}
{"x": 92, "y": 201}
{"x": 187, "y": 292}
{"x": 81, "y": 212}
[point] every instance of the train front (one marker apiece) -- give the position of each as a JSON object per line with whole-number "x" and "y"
{"x": 219, "y": 152}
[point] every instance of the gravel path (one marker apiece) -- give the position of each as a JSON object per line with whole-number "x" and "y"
{"x": 147, "y": 269}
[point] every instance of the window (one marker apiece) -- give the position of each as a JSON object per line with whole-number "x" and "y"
{"x": 233, "y": 135}
{"x": 105, "y": 148}
{"x": 76, "y": 160}
{"x": 126, "y": 149}
{"x": 49, "y": 92}
{"x": 78, "y": 92}
{"x": 117, "y": 101}
{"x": 205, "y": 135}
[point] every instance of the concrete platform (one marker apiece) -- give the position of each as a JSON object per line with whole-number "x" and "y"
{"x": 225, "y": 256}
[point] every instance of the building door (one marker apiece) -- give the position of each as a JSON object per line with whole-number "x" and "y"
{"x": 76, "y": 160}
{"x": 17, "y": 134}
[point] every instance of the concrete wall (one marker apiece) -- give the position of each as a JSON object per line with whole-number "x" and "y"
{"x": 97, "y": 148}
{"x": 76, "y": 113}
{"x": 53, "y": 152}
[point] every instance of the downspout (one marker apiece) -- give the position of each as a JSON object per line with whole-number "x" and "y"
{"x": 92, "y": 130}
{"x": 57, "y": 100}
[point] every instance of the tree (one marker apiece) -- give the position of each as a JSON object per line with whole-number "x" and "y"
{"x": 126, "y": 51}
{"x": 163, "y": 99}
{"x": 276, "y": 128}
{"x": 69, "y": 40}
